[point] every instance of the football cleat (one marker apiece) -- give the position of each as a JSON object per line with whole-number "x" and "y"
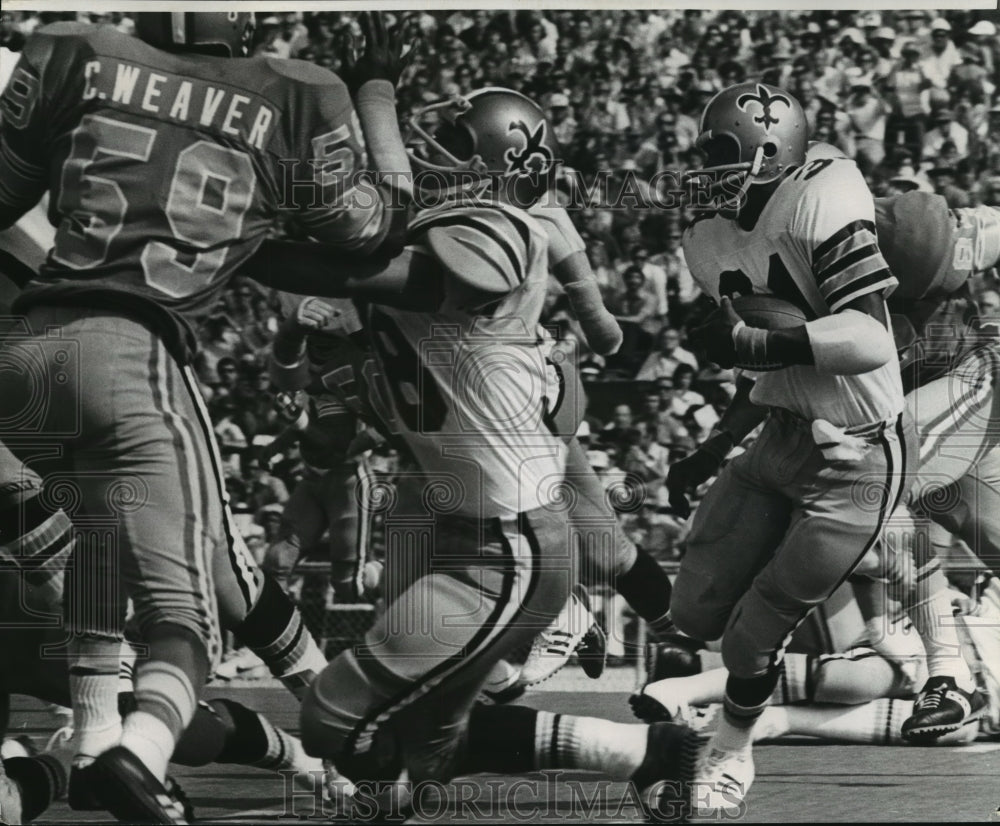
{"x": 502, "y": 685}
{"x": 664, "y": 778}
{"x": 940, "y": 708}
{"x": 592, "y": 652}
{"x": 130, "y": 791}
{"x": 551, "y": 649}
{"x": 722, "y": 779}
{"x": 673, "y": 656}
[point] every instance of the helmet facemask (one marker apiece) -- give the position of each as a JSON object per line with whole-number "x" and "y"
{"x": 453, "y": 165}
{"x": 729, "y": 178}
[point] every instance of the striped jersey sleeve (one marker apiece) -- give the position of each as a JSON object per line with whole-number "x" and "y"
{"x": 835, "y": 225}
{"x": 481, "y": 247}
{"x": 23, "y": 140}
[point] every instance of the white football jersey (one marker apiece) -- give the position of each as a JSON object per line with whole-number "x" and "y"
{"x": 813, "y": 245}
{"x": 468, "y": 385}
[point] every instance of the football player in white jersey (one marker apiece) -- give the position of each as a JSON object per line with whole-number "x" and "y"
{"x": 484, "y": 561}
{"x": 787, "y": 521}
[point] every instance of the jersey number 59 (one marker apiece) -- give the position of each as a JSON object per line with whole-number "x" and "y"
{"x": 210, "y": 192}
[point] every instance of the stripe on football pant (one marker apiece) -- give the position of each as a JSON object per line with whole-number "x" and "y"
{"x": 189, "y": 466}
{"x": 240, "y": 558}
{"x": 518, "y": 579}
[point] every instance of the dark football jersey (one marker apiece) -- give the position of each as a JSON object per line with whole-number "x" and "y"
{"x": 167, "y": 171}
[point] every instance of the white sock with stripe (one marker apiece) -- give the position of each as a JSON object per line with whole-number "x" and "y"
{"x": 151, "y": 740}
{"x": 166, "y": 703}
{"x": 93, "y": 683}
{"x": 567, "y": 742}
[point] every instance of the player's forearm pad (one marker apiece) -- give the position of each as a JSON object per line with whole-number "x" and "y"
{"x": 849, "y": 342}
{"x": 602, "y": 330}
{"x": 376, "y": 106}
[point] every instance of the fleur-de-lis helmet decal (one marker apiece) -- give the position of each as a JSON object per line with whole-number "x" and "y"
{"x": 535, "y": 157}
{"x": 769, "y": 103}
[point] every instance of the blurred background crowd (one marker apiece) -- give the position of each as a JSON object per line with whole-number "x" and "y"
{"x": 911, "y": 95}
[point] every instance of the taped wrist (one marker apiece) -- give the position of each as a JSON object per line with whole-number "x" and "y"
{"x": 376, "y": 107}
{"x": 602, "y": 331}
{"x": 751, "y": 348}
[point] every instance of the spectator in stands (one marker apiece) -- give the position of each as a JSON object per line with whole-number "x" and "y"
{"x": 905, "y": 86}
{"x": 666, "y": 357}
{"x": 943, "y": 56}
{"x": 944, "y": 130}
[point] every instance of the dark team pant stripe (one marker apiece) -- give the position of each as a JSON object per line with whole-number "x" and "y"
{"x": 482, "y": 643}
{"x": 893, "y": 492}
{"x": 362, "y": 536}
{"x": 191, "y": 471}
{"x": 243, "y": 567}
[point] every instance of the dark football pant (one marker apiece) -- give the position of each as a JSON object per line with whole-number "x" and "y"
{"x": 333, "y": 503}
{"x": 466, "y": 594}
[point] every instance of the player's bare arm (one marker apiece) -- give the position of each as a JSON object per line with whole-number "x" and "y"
{"x": 577, "y": 279}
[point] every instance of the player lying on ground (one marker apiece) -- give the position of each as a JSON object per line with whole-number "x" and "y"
{"x": 862, "y": 695}
{"x": 463, "y": 299}
{"x": 163, "y": 184}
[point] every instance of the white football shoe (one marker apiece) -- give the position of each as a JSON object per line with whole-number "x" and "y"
{"x": 551, "y": 649}
{"x": 722, "y": 780}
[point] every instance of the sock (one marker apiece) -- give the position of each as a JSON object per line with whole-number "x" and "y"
{"x": 744, "y": 702}
{"x": 39, "y": 543}
{"x": 93, "y": 684}
{"x": 165, "y": 694}
{"x": 275, "y": 632}
{"x": 794, "y": 680}
{"x": 126, "y": 679}
{"x": 41, "y": 779}
{"x": 203, "y": 740}
{"x": 877, "y": 722}
{"x": 515, "y": 739}
{"x": 934, "y": 621}
{"x": 646, "y": 588}
{"x": 151, "y": 740}
{"x": 252, "y": 740}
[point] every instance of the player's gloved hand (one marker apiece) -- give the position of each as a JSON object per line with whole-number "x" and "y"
{"x": 314, "y": 314}
{"x": 383, "y": 57}
{"x": 696, "y": 469}
{"x": 715, "y": 336}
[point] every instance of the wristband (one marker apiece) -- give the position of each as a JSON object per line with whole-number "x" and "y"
{"x": 751, "y": 347}
{"x": 719, "y": 444}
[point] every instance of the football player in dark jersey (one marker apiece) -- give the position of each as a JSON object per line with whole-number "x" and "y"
{"x": 168, "y": 160}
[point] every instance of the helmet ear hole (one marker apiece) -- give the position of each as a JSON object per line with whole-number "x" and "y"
{"x": 770, "y": 149}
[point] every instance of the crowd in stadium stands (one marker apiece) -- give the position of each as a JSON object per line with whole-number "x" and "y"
{"x": 911, "y": 95}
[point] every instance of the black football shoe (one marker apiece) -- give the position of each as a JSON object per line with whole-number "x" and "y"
{"x": 942, "y": 707}
{"x": 130, "y": 791}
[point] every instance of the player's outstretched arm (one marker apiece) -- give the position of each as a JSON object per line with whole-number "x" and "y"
{"x": 577, "y": 278}
{"x": 305, "y": 268}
